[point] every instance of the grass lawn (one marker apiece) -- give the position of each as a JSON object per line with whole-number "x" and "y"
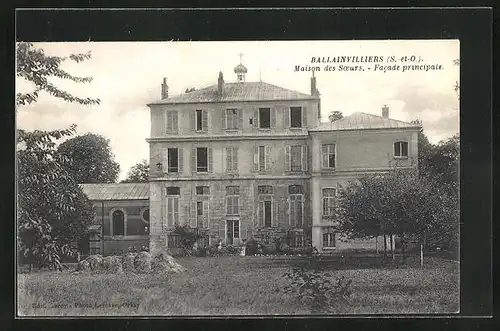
{"x": 242, "y": 286}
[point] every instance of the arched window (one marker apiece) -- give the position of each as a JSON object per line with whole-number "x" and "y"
{"x": 118, "y": 223}
{"x": 145, "y": 215}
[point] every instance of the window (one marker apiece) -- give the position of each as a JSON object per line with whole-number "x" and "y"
{"x": 173, "y": 241}
{"x": 265, "y": 118}
{"x": 265, "y": 189}
{"x": 232, "y": 231}
{"x": 145, "y": 215}
{"x": 299, "y": 239}
{"x": 201, "y": 159}
{"x": 328, "y": 237}
{"x": 172, "y": 122}
{"x": 296, "y": 205}
{"x": 232, "y": 119}
{"x": 118, "y": 223}
{"x": 296, "y": 117}
{"x": 173, "y": 160}
{"x": 232, "y": 159}
{"x": 199, "y": 120}
{"x": 401, "y": 149}
{"x": 328, "y": 155}
{"x": 199, "y": 208}
{"x": 232, "y": 200}
{"x": 202, "y": 190}
{"x": 262, "y": 158}
{"x": 328, "y": 201}
{"x": 265, "y": 212}
{"x": 296, "y": 158}
{"x": 172, "y": 205}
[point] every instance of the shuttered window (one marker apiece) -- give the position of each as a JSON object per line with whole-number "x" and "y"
{"x": 296, "y": 205}
{"x": 233, "y": 119}
{"x": 296, "y": 158}
{"x": 172, "y": 125}
{"x": 231, "y": 159}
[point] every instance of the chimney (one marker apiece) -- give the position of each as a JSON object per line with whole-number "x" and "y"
{"x": 385, "y": 111}
{"x": 220, "y": 84}
{"x": 164, "y": 89}
{"x": 314, "y": 90}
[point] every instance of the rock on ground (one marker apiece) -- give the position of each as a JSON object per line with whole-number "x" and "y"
{"x": 165, "y": 263}
{"x": 142, "y": 262}
{"x": 128, "y": 263}
{"x": 112, "y": 265}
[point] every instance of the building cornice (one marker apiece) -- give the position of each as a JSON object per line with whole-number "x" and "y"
{"x": 228, "y": 178}
{"x": 227, "y": 137}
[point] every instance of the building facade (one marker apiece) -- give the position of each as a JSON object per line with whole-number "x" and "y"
{"x": 250, "y": 159}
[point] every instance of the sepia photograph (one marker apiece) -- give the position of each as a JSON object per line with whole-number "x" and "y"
{"x": 238, "y": 178}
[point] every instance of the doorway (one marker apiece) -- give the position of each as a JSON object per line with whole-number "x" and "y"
{"x": 232, "y": 231}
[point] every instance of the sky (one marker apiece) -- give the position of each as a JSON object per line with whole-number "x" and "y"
{"x": 128, "y": 75}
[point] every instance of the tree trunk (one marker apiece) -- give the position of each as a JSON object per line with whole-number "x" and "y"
{"x": 403, "y": 251}
{"x": 385, "y": 246}
{"x": 421, "y": 254}
{"x": 392, "y": 247}
{"x": 376, "y": 244}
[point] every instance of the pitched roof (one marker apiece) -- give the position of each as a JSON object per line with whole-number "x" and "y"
{"x": 248, "y": 91}
{"x": 114, "y": 191}
{"x": 358, "y": 121}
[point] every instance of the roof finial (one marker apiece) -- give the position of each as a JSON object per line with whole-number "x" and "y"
{"x": 241, "y": 56}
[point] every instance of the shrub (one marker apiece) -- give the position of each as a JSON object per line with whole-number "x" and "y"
{"x": 312, "y": 286}
{"x": 142, "y": 262}
{"x": 251, "y": 247}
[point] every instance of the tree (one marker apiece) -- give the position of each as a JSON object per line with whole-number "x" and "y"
{"x": 36, "y": 67}
{"x": 189, "y": 89}
{"x": 91, "y": 159}
{"x": 138, "y": 173}
{"x": 335, "y": 116}
{"x": 400, "y": 202}
{"x": 53, "y": 211}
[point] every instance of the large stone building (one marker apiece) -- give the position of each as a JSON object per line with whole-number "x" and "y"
{"x": 249, "y": 159}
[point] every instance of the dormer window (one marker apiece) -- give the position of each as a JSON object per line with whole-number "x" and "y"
{"x": 401, "y": 149}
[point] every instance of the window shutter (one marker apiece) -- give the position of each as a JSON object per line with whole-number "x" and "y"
{"x": 304, "y": 117}
{"x": 305, "y": 159}
{"x": 192, "y": 120}
{"x": 165, "y": 161}
{"x": 288, "y": 211}
{"x": 224, "y": 124}
{"x": 169, "y": 213}
{"x": 175, "y": 122}
{"x": 204, "y": 120}
{"x": 180, "y": 161}
{"x": 261, "y": 214}
{"x": 222, "y": 231}
{"x": 235, "y": 159}
{"x": 167, "y": 122}
{"x": 324, "y": 156}
{"x": 206, "y": 213}
{"x": 210, "y": 159}
{"x": 268, "y": 157}
{"x": 274, "y": 214}
{"x": 193, "y": 215}
{"x": 287, "y": 158}
{"x": 273, "y": 117}
{"x": 243, "y": 230}
{"x": 193, "y": 160}
{"x": 256, "y": 158}
{"x": 228, "y": 159}
{"x": 256, "y": 118}
{"x": 286, "y": 117}
{"x": 240, "y": 118}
